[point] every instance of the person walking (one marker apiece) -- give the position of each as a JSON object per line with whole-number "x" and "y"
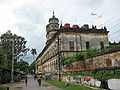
{"x": 39, "y": 80}
{"x": 35, "y": 76}
{"x": 26, "y": 79}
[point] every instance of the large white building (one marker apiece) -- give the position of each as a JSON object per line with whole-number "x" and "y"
{"x": 66, "y": 41}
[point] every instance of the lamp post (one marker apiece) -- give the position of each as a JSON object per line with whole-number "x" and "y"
{"x": 12, "y": 71}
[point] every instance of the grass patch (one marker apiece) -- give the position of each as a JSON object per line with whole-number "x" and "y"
{"x": 3, "y": 88}
{"x": 70, "y": 87}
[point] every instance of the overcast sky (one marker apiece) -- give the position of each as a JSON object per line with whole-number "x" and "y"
{"x": 28, "y": 18}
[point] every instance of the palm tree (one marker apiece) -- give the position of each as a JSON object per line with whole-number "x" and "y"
{"x": 33, "y": 52}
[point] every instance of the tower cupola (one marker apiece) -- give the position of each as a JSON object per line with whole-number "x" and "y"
{"x": 52, "y": 27}
{"x": 53, "y": 20}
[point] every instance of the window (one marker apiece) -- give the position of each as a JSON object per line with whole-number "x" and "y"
{"x": 87, "y": 45}
{"x": 101, "y": 45}
{"x": 71, "y": 43}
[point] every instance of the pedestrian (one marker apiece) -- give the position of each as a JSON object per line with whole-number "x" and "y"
{"x": 35, "y": 76}
{"x": 7, "y": 88}
{"x": 46, "y": 76}
{"x": 26, "y": 79}
{"x": 39, "y": 80}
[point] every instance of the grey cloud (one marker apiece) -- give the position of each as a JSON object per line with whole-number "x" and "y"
{"x": 68, "y": 10}
{"x": 29, "y": 17}
{"x": 25, "y": 27}
{"x": 30, "y": 12}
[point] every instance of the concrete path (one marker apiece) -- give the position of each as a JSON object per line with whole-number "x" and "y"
{"x": 32, "y": 85}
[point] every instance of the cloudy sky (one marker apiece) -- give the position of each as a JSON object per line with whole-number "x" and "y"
{"x": 28, "y": 18}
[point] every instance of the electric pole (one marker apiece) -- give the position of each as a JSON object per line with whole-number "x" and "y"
{"x": 59, "y": 66}
{"x": 12, "y": 71}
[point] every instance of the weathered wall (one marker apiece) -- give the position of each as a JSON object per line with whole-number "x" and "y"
{"x": 49, "y": 58}
{"x": 94, "y": 40}
{"x": 106, "y": 60}
{"x": 80, "y": 40}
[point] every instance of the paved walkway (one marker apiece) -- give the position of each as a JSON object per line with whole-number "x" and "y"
{"x": 32, "y": 85}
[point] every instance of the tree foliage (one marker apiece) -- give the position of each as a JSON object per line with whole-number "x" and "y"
{"x": 2, "y": 58}
{"x": 33, "y": 51}
{"x": 33, "y": 65}
{"x": 86, "y": 54}
{"x": 9, "y": 41}
{"x": 32, "y": 68}
{"x": 22, "y": 66}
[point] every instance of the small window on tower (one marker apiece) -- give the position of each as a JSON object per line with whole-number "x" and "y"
{"x": 71, "y": 43}
{"x": 101, "y": 45}
{"x": 87, "y": 45}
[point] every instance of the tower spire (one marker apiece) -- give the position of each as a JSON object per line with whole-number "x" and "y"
{"x": 61, "y": 24}
{"x": 53, "y": 12}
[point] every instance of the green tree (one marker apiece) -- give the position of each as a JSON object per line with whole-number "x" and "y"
{"x": 22, "y": 65}
{"x": 33, "y": 52}
{"x": 32, "y": 68}
{"x": 2, "y": 58}
{"x": 19, "y": 43}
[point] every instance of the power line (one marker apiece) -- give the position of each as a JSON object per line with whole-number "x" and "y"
{"x": 114, "y": 33}
{"x": 108, "y": 9}
{"x": 89, "y": 10}
{"x": 112, "y": 18}
{"x": 115, "y": 25}
{"x": 82, "y": 4}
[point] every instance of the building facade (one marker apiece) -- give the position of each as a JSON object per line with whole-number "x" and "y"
{"x": 66, "y": 41}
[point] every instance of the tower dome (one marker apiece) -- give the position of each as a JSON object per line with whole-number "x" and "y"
{"x": 52, "y": 27}
{"x": 53, "y": 20}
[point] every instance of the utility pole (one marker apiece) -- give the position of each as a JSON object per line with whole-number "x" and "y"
{"x": 59, "y": 66}
{"x": 12, "y": 71}
{"x": 37, "y": 66}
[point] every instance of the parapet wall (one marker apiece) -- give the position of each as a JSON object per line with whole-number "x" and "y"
{"x": 109, "y": 60}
